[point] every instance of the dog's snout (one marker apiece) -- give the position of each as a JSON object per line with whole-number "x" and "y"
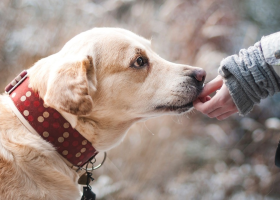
{"x": 199, "y": 75}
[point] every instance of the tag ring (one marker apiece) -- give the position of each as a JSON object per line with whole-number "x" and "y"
{"x": 98, "y": 166}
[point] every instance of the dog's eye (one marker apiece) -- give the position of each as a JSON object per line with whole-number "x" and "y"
{"x": 139, "y": 62}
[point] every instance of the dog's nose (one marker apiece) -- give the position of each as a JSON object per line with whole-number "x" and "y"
{"x": 199, "y": 75}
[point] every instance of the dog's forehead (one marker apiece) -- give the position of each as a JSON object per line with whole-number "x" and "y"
{"x": 120, "y": 37}
{"x": 133, "y": 36}
{"x": 110, "y": 40}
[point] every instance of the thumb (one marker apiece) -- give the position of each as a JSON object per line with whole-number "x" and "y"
{"x": 212, "y": 86}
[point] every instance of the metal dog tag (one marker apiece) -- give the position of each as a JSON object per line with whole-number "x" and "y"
{"x": 83, "y": 179}
{"x": 88, "y": 194}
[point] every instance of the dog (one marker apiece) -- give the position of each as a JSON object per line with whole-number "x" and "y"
{"x": 102, "y": 81}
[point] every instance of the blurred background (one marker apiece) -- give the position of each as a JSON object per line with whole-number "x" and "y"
{"x": 172, "y": 157}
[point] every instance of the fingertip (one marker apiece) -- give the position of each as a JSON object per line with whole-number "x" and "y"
{"x": 202, "y": 99}
{"x": 212, "y": 86}
{"x": 208, "y": 98}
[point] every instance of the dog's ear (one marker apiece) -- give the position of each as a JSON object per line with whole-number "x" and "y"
{"x": 71, "y": 86}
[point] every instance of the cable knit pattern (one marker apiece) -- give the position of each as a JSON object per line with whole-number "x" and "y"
{"x": 249, "y": 78}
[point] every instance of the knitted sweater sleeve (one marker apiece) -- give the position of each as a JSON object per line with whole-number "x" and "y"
{"x": 251, "y": 75}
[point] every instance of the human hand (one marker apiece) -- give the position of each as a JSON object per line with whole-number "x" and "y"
{"x": 220, "y": 106}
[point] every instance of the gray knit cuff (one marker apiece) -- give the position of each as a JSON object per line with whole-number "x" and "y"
{"x": 249, "y": 78}
{"x": 236, "y": 78}
{"x": 243, "y": 103}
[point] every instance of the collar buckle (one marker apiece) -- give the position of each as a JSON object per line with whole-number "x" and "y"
{"x": 16, "y": 82}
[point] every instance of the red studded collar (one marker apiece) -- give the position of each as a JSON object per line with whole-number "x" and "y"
{"x": 48, "y": 122}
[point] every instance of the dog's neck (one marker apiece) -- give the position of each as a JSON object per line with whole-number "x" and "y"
{"x": 104, "y": 133}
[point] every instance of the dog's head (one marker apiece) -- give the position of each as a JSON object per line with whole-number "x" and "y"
{"x": 111, "y": 78}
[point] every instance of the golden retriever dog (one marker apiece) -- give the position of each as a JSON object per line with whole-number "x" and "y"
{"x": 102, "y": 81}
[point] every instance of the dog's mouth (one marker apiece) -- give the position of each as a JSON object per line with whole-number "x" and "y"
{"x": 180, "y": 108}
{"x": 172, "y": 108}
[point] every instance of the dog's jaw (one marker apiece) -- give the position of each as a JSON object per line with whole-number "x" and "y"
{"x": 103, "y": 133}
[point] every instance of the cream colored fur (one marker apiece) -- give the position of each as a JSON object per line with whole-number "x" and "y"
{"x": 95, "y": 84}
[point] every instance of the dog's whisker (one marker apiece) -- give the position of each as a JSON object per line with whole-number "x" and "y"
{"x": 178, "y": 119}
{"x": 148, "y": 129}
